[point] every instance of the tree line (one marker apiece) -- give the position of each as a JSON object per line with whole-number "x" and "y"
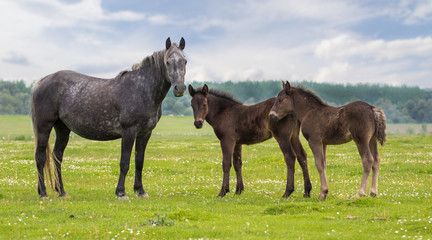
{"x": 401, "y": 104}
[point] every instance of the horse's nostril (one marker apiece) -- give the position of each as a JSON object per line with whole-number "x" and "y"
{"x": 198, "y": 124}
{"x": 273, "y": 117}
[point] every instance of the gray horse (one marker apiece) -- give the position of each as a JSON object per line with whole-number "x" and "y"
{"x": 127, "y": 107}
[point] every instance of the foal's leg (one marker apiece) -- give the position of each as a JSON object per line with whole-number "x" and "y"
{"x": 302, "y": 160}
{"x": 367, "y": 162}
{"x": 62, "y": 139}
{"x": 128, "y": 138}
{"x": 289, "y": 157}
{"x": 318, "y": 150}
{"x": 227, "y": 152}
{"x": 140, "y": 146}
{"x": 373, "y": 145}
{"x": 238, "y": 168}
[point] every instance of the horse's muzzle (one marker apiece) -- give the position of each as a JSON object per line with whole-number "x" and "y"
{"x": 198, "y": 124}
{"x": 273, "y": 117}
{"x": 179, "y": 90}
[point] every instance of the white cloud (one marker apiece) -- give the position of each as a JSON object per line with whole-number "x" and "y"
{"x": 159, "y": 19}
{"x": 338, "y": 10}
{"x": 43, "y": 36}
{"x": 328, "y": 41}
{"x": 416, "y": 12}
{"x": 336, "y": 72}
{"x": 346, "y": 46}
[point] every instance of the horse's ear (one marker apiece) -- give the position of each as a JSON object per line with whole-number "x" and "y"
{"x": 205, "y": 90}
{"x": 182, "y": 43}
{"x": 191, "y": 90}
{"x": 168, "y": 43}
{"x": 287, "y": 87}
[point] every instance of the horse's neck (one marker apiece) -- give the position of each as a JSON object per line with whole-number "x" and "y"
{"x": 216, "y": 106}
{"x": 303, "y": 105}
{"x": 154, "y": 72}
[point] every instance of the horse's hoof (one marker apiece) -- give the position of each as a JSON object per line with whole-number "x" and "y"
{"x": 44, "y": 197}
{"x": 122, "y": 197}
{"x": 220, "y": 195}
{"x": 322, "y": 197}
{"x": 362, "y": 194}
{"x": 306, "y": 195}
{"x": 373, "y": 194}
{"x": 143, "y": 195}
{"x": 64, "y": 196}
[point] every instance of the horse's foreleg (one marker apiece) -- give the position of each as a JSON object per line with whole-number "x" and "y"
{"x": 289, "y": 156}
{"x": 238, "y": 168}
{"x": 367, "y": 161}
{"x": 302, "y": 160}
{"x": 128, "y": 138}
{"x": 140, "y": 146}
{"x": 318, "y": 150}
{"x": 373, "y": 145}
{"x": 62, "y": 139}
{"x": 227, "y": 152}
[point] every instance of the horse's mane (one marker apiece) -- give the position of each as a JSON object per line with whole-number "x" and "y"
{"x": 157, "y": 56}
{"x": 311, "y": 95}
{"x": 222, "y": 94}
{"x": 152, "y": 58}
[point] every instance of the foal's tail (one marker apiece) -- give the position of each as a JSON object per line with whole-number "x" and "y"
{"x": 380, "y": 125}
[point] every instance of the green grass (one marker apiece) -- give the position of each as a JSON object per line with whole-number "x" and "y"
{"x": 183, "y": 174}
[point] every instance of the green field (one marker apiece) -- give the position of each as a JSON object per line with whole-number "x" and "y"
{"x": 183, "y": 174}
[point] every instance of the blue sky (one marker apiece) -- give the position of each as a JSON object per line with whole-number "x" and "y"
{"x": 337, "y": 41}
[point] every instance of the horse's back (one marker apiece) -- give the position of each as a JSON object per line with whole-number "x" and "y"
{"x": 360, "y": 119}
{"x": 250, "y": 123}
{"x": 359, "y": 112}
{"x": 85, "y": 104}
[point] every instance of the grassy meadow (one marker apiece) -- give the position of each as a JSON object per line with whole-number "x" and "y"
{"x": 183, "y": 174}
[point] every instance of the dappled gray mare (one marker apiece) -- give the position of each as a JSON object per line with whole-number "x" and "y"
{"x": 324, "y": 125}
{"x": 127, "y": 107}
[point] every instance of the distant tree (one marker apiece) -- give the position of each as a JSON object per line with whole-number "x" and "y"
{"x": 14, "y": 97}
{"x": 401, "y": 104}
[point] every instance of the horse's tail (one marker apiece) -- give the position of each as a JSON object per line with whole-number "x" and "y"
{"x": 380, "y": 125}
{"x": 48, "y": 152}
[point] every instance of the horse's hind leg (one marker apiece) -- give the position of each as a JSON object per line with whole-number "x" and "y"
{"x": 43, "y": 129}
{"x": 302, "y": 160}
{"x": 373, "y": 145}
{"x": 319, "y": 152}
{"x": 62, "y": 139}
{"x": 367, "y": 162}
{"x": 238, "y": 168}
{"x": 41, "y": 160}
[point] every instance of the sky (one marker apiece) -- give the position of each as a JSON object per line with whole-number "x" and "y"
{"x": 336, "y": 41}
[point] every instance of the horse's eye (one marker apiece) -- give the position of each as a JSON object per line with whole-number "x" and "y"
{"x": 280, "y": 99}
{"x": 204, "y": 105}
